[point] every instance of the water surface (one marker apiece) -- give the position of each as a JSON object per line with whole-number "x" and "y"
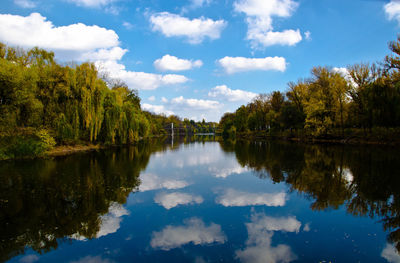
{"x": 204, "y": 201}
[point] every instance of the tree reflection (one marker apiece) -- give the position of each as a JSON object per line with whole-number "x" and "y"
{"x": 363, "y": 179}
{"x": 45, "y": 201}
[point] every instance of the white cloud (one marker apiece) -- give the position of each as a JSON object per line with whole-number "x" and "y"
{"x": 172, "y": 200}
{"x": 232, "y": 197}
{"x": 163, "y": 99}
{"x": 259, "y": 20}
{"x": 195, "y": 30}
{"x": 158, "y": 109}
{"x": 193, "y": 231}
{"x": 25, "y": 3}
{"x": 115, "y": 53}
{"x": 35, "y": 30}
{"x": 172, "y": 63}
{"x": 92, "y": 3}
{"x": 288, "y": 37}
{"x": 259, "y": 243}
{"x": 82, "y": 43}
{"x": 228, "y": 94}
{"x": 195, "y": 103}
{"x": 153, "y": 182}
{"x": 152, "y": 98}
{"x": 392, "y": 10}
{"x": 139, "y": 80}
{"x": 233, "y": 65}
{"x": 390, "y": 254}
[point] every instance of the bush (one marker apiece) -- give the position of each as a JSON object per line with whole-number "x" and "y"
{"x": 25, "y": 144}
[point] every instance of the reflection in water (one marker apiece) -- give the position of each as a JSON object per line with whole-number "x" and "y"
{"x": 193, "y": 231}
{"x": 232, "y": 197}
{"x": 390, "y": 254}
{"x": 90, "y": 259}
{"x": 154, "y": 182}
{"x": 364, "y": 179}
{"x": 259, "y": 243}
{"x": 171, "y": 200}
{"x": 79, "y": 196}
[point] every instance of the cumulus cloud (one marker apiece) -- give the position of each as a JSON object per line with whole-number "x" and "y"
{"x": 232, "y": 197}
{"x": 193, "y": 231}
{"x": 390, "y": 254}
{"x": 35, "y": 30}
{"x": 172, "y": 63}
{"x": 197, "y": 104}
{"x": 158, "y": 109}
{"x": 82, "y": 43}
{"x": 25, "y": 3}
{"x": 259, "y": 14}
{"x": 153, "y": 182}
{"x": 259, "y": 243}
{"x": 233, "y": 65}
{"x": 152, "y": 98}
{"x": 228, "y": 94}
{"x": 288, "y": 37}
{"x": 171, "y": 200}
{"x": 392, "y": 10}
{"x": 195, "y": 30}
{"x": 115, "y": 53}
{"x": 139, "y": 80}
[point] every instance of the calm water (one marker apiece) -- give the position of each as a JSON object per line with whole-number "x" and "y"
{"x": 206, "y": 201}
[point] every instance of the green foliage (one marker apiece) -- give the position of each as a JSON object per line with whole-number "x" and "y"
{"x": 327, "y": 104}
{"x": 72, "y": 103}
{"x": 25, "y": 143}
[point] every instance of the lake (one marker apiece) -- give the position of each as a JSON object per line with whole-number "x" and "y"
{"x": 203, "y": 200}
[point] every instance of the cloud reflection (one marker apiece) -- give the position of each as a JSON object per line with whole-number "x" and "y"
{"x": 223, "y": 172}
{"x": 171, "y": 200}
{"x": 193, "y": 231}
{"x": 90, "y": 259}
{"x": 259, "y": 243}
{"x": 232, "y": 197}
{"x": 390, "y": 254}
{"x": 110, "y": 222}
{"x": 154, "y": 182}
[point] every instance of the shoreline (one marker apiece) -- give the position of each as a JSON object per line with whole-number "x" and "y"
{"x": 350, "y": 140}
{"x": 64, "y": 150}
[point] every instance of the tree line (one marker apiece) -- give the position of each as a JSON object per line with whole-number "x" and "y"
{"x": 44, "y": 103}
{"x": 331, "y": 102}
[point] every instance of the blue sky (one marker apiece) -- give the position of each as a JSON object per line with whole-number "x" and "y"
{"x": 200, "y": 58}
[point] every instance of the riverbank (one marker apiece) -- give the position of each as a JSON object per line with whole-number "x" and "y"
{"x": 70, "y": 149}
{"x": 354, "y": 137}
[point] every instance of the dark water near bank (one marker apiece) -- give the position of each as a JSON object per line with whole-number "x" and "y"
{"x": 208, "y": 201}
